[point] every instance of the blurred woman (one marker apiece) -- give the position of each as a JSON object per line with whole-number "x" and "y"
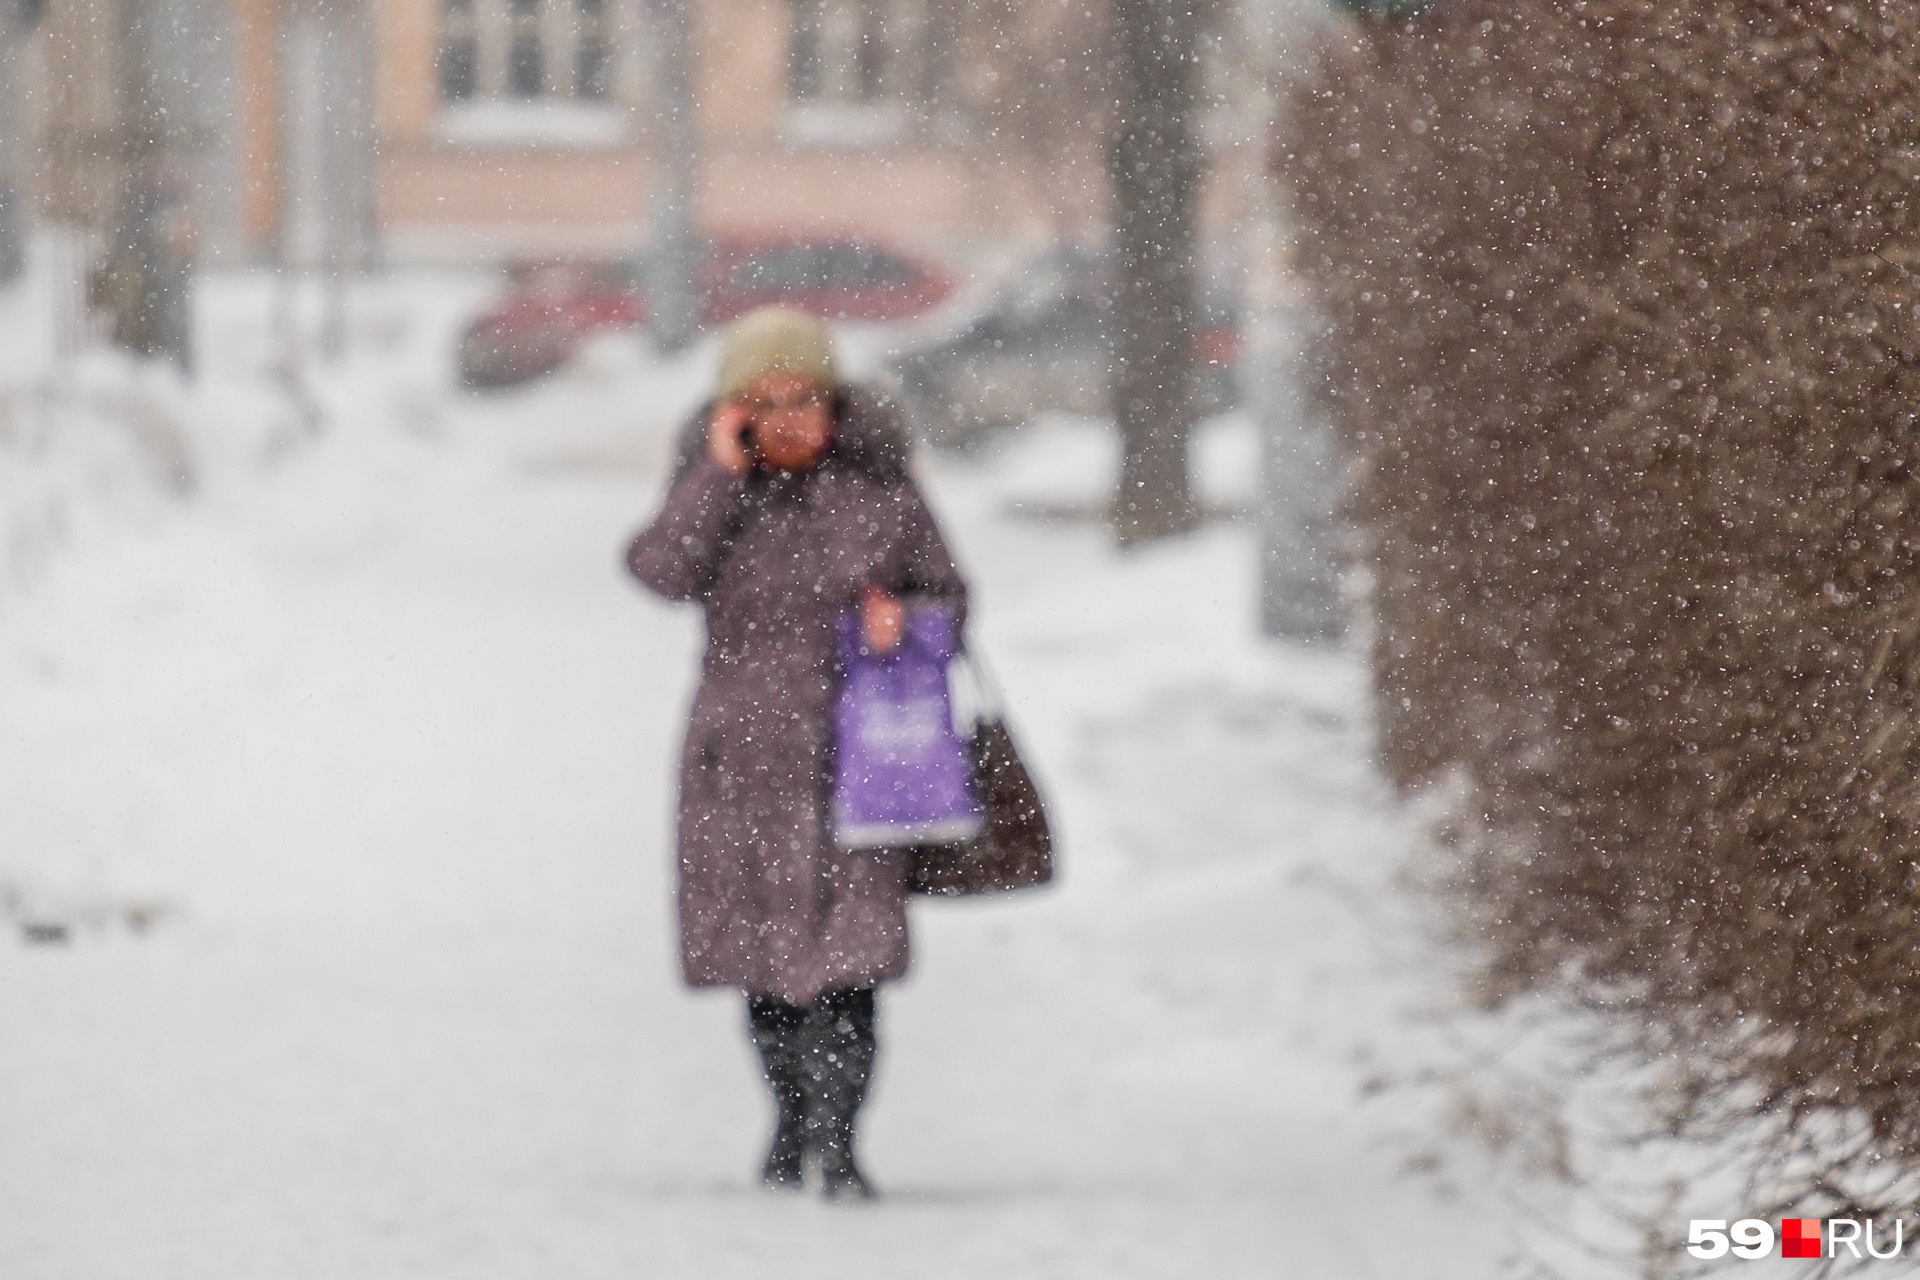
{"x": 794, "y": 508}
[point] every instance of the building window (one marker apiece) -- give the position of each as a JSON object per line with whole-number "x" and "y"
{"x": 804, "y": 76}
{"x": 593, "y": 54}
{"x": 525, "y": 49}
{"x": 838, "y": 52}
{"x": 459, "y": 53}
{"x": 860, "y": 72}
{"x": 866, "y": 66}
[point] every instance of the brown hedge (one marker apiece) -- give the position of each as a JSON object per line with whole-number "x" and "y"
{"x": 1622, "y": 336}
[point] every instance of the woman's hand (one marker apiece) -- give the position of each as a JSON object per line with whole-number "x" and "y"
{"x": 726, "y": 437}
{"x": 883, "y": 619}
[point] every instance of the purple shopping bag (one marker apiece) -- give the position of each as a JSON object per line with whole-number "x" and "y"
{"x": 902, "y": 775}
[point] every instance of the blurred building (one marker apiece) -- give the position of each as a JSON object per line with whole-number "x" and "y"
{"x": 313, "y": 130}
{"x": 337, "y": 131}
{"x": 524, "y": 127}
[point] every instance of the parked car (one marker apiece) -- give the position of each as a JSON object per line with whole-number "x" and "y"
{"x": 833, "y": 279}
{"x": 1046, "y": 344}
{"x": 539, "y": 325}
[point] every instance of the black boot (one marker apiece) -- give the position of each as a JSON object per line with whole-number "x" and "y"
{"x": 778, "y": 1031}
{"x": 839, "y": 1057}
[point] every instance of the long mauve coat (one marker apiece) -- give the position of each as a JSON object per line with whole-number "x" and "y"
{"x": 767, "y": 902}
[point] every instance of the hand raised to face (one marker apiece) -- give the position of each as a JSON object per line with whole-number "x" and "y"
{"x": 726, "y": 442}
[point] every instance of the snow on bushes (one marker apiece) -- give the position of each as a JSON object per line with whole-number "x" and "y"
{"x": 70, "y": 446}
{"x": 1622, "y": 339}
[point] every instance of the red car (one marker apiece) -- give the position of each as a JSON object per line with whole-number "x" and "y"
{"x": 538, "y": 326}
{"x": 834, "y": 279}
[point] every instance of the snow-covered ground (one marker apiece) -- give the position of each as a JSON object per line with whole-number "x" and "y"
{"x": 345, "y": 768}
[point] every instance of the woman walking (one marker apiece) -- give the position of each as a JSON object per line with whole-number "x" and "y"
{"x": 793, "y": 507}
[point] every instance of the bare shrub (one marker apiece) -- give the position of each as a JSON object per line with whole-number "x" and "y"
{"x": 1623, "y": 339}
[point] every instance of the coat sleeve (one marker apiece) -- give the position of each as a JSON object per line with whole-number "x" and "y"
{"x": 929, "y": 571}
{"x": 679, "y": 553}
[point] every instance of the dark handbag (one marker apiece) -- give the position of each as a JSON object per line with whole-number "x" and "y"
{"x": 1015, "y": 850}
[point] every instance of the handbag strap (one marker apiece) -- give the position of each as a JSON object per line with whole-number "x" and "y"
{"x": 982, "y": 694}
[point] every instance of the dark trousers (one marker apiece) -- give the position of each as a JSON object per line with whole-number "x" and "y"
{"x": 818, "y": 1059}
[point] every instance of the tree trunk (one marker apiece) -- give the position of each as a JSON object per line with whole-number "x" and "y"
{"x": 674, "y": 254}
{"x": 13, "y": 213}
{"x": 147, "y": 283}
{"x": 1155, "y": 166}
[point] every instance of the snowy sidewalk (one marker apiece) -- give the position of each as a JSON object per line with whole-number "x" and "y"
{"x": 388, "y": 738}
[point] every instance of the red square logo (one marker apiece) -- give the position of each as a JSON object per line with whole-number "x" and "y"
{"x": 1800, "y": 1237}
